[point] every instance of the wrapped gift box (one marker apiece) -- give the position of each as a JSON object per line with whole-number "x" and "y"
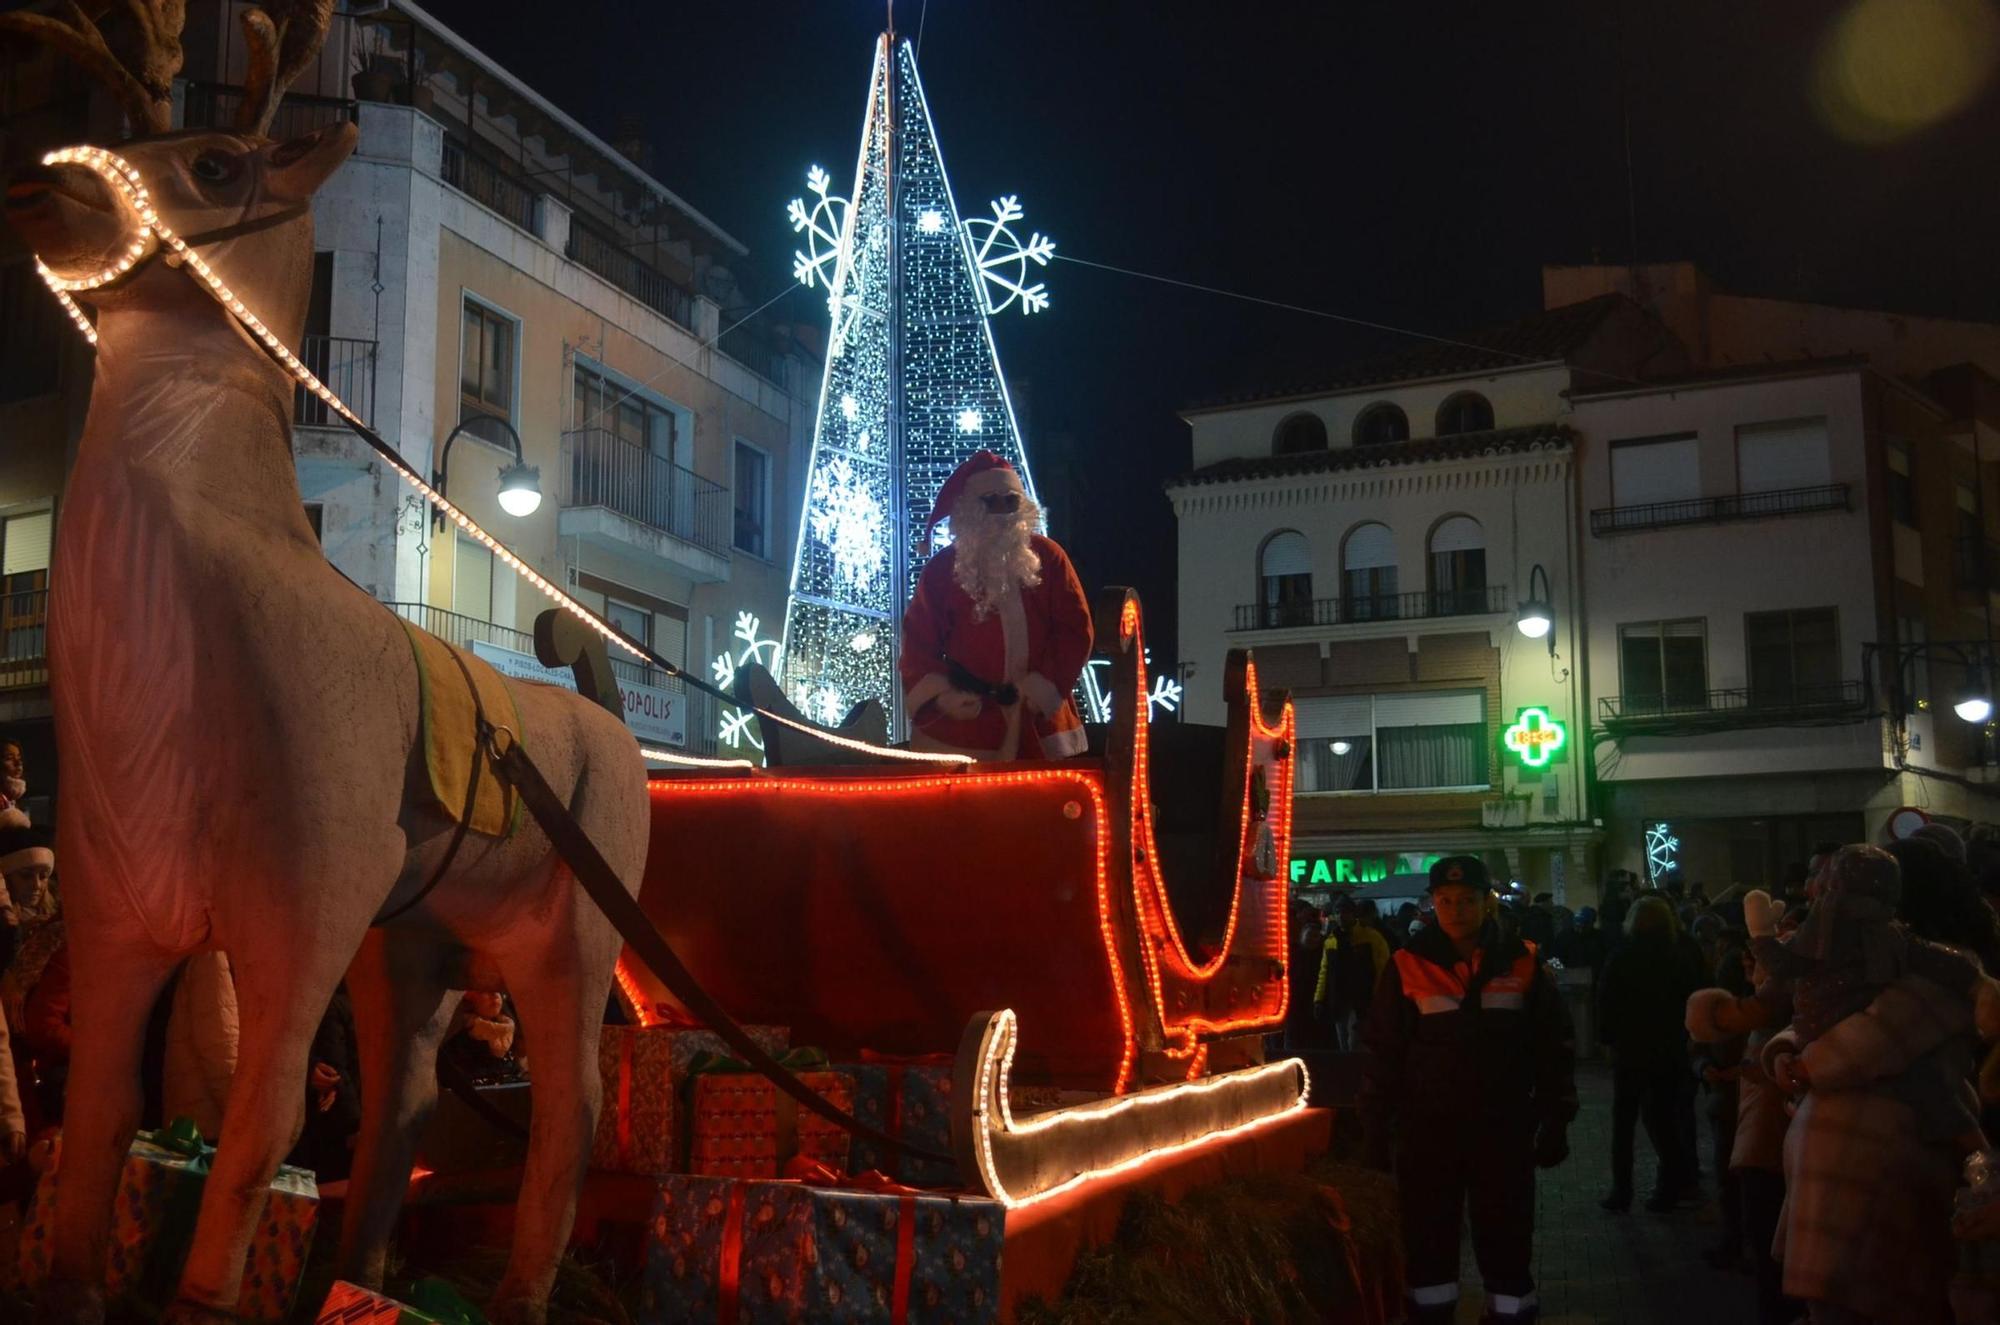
{"x": 761, "y": 1252}
{"x": 743, "y": 1126}
{"x": 351, "y": 1304}
{"x": 644, "y": 1069}
{"x": 152, "y": 1224}
{"x": 911, "y": 1101}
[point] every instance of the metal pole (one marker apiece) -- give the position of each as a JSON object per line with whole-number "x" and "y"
{"x": 899, "y": 496}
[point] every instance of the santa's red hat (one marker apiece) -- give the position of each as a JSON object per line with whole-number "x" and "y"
{"x": 971, "y": 479}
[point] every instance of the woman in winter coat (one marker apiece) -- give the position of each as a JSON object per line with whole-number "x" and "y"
{"x": 1641, "y": 1007}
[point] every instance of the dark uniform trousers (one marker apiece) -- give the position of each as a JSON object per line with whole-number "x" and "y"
{"x": 1465, "y": 1168}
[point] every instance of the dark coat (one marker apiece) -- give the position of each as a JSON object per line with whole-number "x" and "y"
{"x": 1507, "y": 1055}
{"x": 1642, "y": 1003}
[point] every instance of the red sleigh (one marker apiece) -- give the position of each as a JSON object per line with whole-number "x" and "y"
{"x": 1101, "y": 931}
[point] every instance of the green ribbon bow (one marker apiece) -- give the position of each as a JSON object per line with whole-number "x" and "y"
{"x": 183, "y": 1138}
{"x": 793, "y": 1060}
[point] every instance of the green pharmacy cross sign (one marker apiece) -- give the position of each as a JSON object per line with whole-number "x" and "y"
{"x": 1535, "y": 738}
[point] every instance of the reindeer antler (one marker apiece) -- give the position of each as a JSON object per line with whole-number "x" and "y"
{"x": 284, "y": 37}
{"x": 138, "y": 64}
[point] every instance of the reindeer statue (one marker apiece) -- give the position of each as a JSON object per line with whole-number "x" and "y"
{"x": 239, "y": 726}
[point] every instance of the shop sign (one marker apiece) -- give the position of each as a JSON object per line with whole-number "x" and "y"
{"x": 655, "y": 716}
{"x": 1536, "y": 739}
{"x": 1310, "y": 870}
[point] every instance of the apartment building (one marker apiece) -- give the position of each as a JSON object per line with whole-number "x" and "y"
{"x": 1379, "y": 539}
{"x": 1788, "y": 577}
{"x": 497, "y": 289}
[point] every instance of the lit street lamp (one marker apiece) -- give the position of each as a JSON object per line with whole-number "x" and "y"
{"x": 520, "y": 482}
{"x": 1537, "y": 618}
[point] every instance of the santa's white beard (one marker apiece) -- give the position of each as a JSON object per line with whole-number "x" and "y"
{"x": 994, "y": 556}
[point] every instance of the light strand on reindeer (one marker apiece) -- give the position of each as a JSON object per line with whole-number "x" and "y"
{"x": 153, "y": 233}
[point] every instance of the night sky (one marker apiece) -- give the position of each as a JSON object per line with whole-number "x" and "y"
{"x": 1407, "y": 163}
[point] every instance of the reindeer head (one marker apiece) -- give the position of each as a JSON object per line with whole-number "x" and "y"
{"x": 239, "y": 199}
{"x": 243, "y": 203}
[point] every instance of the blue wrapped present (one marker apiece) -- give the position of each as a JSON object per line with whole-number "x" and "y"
{"x": 762, "y": 1252}
{"x": 910, "y": 1099}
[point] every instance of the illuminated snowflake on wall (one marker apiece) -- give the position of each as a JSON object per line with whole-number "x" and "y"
{"x": 1004, "y": 260}
{"x": 846, "y": 516}
{"x": 1663, "y": 850}
{"x": 912, "y": 385}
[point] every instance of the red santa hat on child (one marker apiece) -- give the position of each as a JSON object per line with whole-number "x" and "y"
{"x": 981, "y": 474}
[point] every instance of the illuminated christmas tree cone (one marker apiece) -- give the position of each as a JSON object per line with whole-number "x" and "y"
{"x": 912, "y": 386}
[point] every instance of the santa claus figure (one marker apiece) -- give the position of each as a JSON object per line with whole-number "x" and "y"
{"x": 998, "y": 630}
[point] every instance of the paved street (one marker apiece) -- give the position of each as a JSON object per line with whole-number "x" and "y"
{"x": 1594, "y": 1268}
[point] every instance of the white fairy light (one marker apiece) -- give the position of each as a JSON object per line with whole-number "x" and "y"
{"x": 970, "y": 420}
{"x": 931, "y": 222}
{"x": 129, "y": 188}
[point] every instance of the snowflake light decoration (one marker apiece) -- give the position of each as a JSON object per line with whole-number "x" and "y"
{"x": 737, "y": 727}
{"x": 931, "y": 222}
{"x": 847, "y": 518}
{"x": 970, "y": 420}
{"x": 824, "y": 226}
{"x": 1003, "y": 259}
{"x": 1663, "y": 849}
{"x": 1095, "y": 697}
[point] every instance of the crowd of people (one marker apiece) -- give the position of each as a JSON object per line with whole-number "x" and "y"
{"x": 1826, "y": 1042}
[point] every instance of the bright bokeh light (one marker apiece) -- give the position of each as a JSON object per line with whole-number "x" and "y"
{"x": 1887, "y": 69}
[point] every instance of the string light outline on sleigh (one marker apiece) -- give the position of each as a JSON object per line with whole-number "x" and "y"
{"x": 128, "y": 188}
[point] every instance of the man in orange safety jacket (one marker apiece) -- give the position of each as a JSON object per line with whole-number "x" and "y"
{"x": 1469, "y": 1087}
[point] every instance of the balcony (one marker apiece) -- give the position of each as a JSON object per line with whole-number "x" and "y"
{"x": 24, "y": 639}
{"x": 1418, "y": 606}
{"x": 488, "y": 183}
{"x": 348, "y": 367}
{"x": 1721, "y": 510}
{"x": 215, "y": 105}
{"x": 1741, "y": 706}
{"x": 624, "y": 498}
{"x": 602, "y": 252}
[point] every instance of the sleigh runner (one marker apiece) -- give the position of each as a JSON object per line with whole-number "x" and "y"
{"x": 1085, "y": 930}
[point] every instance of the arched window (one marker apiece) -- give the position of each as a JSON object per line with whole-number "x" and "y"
{"x": 1468, "y": 411}
{"x": 1458, "y": 567}
{"x": 1368, "y": 574}
{"x": 1299, "y": 434}
{"x": 1381, "y": 424}
{"x": 1284, "y": 581}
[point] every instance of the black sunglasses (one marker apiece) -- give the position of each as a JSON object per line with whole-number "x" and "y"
{"x": 1001, "y": 503}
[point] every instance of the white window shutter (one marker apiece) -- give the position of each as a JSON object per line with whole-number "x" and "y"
{"x": 1771, "y": 457}
{"x": 1369, "y": 546}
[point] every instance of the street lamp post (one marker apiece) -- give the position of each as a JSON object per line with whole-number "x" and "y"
{"x": 1537, "y": 618}
{"x": 520, "y": 482}
{"x": 1972, "y": 698}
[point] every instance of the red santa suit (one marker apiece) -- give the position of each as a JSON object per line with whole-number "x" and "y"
{"x": 1035, "y": 638}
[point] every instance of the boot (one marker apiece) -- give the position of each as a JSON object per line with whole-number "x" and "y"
{"x": 1619, "y": 1201}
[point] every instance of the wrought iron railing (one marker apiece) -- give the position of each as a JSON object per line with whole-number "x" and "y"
{"x": 600, "y": 468}
{"x": 603, "y": 252}
{"x": 748, "y": 344}
{"x": 1414, "y": 606}
{"x": 485, "y": 181}
{"x": 215, "y": 105}
{"x": 1721, "y": 510}
{"x": 344, "y": 364}
{"x": 1739, "y": 703}
{"x": 24, "y": 638}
